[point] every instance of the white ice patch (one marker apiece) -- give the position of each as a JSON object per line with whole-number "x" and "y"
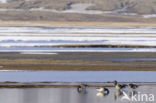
{"x": 19, "y": 41}
{"x": 66, "y": 30}
{"x": 149, "y": 16}
{"x": 54, "y": 36}
{"x": 3, "y": 1}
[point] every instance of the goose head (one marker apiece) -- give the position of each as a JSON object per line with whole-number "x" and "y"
{"x": 115, "y": 83}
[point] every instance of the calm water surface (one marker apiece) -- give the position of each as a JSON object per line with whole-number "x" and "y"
{"x": 78, "y": 76}
{"x": 66, "y": 95}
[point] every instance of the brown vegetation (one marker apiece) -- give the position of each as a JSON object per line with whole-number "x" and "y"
{"x": 132, "y": 6}
{"x": 76, "y": 61}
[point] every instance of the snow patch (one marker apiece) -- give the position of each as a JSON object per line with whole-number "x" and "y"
{"x": 149, "y": 16}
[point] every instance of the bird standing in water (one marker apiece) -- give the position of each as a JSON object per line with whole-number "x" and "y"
{"x": 102, "y": 91}
{"x": 133, "y": 86}
{"x": 82, "y": 88}
{"x": 119, "y": 86}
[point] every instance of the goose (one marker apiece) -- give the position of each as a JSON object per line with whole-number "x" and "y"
{"x": 82, "y": 88}
{"x": 102, "y": 91}
{"x": 119, "y": 86}
{"x": 133, "y": 86}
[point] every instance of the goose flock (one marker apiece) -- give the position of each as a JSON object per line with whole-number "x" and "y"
{"x": 103, "y": 91}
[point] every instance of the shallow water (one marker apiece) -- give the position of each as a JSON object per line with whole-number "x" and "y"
{"x": 29, "y": 50}
{"x": 66, "y": 95}
{"x": 78, "y": 76}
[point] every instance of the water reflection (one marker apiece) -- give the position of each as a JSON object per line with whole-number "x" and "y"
{"x": 66, "y": 95}
{"x": 133, "y": 93}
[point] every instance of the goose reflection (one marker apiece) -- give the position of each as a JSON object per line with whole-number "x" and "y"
{"x": 123, "y": 93}
{"x": 118, "y": 94}
{"x": 133, "y": 93}
{"x": 133, "y": 88}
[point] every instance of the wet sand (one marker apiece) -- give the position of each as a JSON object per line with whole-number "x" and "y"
{"x": 79, "y": 61}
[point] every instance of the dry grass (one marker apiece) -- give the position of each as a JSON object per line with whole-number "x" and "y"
{"x": 46, "y": 64}
{"x": 134, "y": 6}
{"x": 63, "y": 23}
{"x": 76, "y": 61}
